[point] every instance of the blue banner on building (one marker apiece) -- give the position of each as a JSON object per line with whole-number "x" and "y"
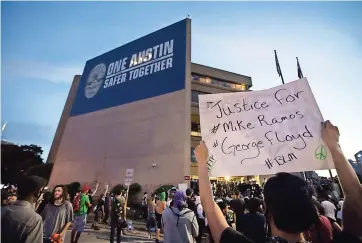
{"x": 147, "y": 67}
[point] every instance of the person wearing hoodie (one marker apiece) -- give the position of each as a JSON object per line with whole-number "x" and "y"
{"x": 179, "y": 223}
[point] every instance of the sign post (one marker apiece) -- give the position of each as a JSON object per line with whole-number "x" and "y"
{"x": 128, "y": 181}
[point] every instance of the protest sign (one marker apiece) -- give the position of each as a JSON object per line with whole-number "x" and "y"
{"x": 264, "y": 132}
{"x": 129, "y": 177}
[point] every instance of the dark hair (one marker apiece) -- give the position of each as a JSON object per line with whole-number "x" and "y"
{"x": 30, "y": 185}
{"x": 253, "y": 205}
{"x": 288, "y": 201}
{"x": 64, "y": 193}
{"x": 222, "y": 205}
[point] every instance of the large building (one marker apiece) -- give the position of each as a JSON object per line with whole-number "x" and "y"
{"x": 136, "y": 107}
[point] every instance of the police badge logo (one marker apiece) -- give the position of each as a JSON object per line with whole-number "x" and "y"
{"x": 95, "y": 80}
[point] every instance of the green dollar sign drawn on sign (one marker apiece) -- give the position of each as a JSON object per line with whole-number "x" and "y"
{"x": 321, "y": 153}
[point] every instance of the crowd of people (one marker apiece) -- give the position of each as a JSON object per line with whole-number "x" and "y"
{"x": 35, "y": 214}
{"x": 285, "y": 208}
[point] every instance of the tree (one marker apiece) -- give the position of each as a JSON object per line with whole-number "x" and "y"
{"x": 16, "y": 160}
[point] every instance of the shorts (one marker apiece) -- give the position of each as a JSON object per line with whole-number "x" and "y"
{"x": 79, "y": 223}
{"x": 159, "y": 220}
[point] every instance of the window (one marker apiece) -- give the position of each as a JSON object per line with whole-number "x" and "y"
{"x": 195, "y": 127}
{"x": 193, "y": 157}
{"x": 195, "y": 95}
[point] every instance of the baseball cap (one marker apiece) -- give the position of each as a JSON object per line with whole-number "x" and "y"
{"x": 85, "y": 188}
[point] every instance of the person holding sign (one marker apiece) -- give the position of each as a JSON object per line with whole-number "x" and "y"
{"x": 289, "y": 207}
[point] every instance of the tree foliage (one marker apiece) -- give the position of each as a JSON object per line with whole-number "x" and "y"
{"x": 16, "y": 160}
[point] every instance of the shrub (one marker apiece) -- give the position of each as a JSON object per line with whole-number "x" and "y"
{"x": 163, "y": 188}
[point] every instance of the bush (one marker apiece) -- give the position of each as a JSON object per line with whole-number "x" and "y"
{"x": 163, "y": 188}
{"x": 117, "y": 189}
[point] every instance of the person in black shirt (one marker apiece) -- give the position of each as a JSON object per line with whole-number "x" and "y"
{"x": 190, "y": 199}
{"x": 289, "y": 207}
{"x": 253, "y": 223}
{"x": 238, "y": 206}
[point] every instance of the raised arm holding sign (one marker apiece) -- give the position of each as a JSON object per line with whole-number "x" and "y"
{"x": 264, "y": 132}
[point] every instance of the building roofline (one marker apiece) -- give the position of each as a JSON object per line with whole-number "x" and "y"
{"x": 247, "y": 80}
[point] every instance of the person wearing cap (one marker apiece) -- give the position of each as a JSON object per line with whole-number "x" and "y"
{"x": 80, "y": 215}
{"x": 179, "y": 223}
{"x": 19, "y": 221}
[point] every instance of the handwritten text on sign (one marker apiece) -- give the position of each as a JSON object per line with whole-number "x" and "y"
{"x": 264, "y": 132}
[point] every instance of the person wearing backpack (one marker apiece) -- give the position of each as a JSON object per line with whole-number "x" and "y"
{"x": 80, "y": 207}
{"x": 118, "y": 214}
{"x": 179, "y": 223}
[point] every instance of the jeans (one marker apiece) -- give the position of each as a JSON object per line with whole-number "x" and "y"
{"x": 105, "y": 218}
{"x": 115, "y": 226}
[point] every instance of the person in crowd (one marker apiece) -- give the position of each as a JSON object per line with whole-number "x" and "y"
{"x": 253, "y": 223}
{"x": 339, "y": 212}
{"x": 4, "y": 198}
{"x": 107, "y": 207}
{"x": 289, "y": 207}
{"x": 90, "y": 194}
{"x": 160, "y": 208}
{"x": 179, "y": 223}
{"x": 237, "y": 204}
{"x": 330, "y": 211}
{"x": 225, "y": 212}
{"x": 81, "y": 205}
{"x": 200, "y": 216}
{"x": 190, "y": 201}
{"x": 144, "y": 205}
{"x": 151, "y": 221}
{"x": 118, "y": 214}
{"x": 45, "y": 200}
{"x": 321, "y": 232}
{"x": 19, "y": 222}
{"x": 98, "y": 211}
{"x": 57, "y": 215}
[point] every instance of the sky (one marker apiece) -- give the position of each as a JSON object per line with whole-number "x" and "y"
{"x": 44, "y": 44}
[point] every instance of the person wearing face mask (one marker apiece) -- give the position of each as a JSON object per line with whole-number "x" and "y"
{"x": 57, "y": 215}
{"x": 19, "y": 221}
{"x": 179, "y": 223}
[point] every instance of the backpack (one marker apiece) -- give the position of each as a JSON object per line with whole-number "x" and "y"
{"x": 76, "y": 203}
{"x": 178, "y": 215}
{"x": 117, "y": 208}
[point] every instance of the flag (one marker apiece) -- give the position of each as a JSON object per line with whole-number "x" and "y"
{"x": 278, "y": 66}
{"x": 300, "y": 74}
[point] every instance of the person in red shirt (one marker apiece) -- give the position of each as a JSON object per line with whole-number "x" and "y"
{"x": 322, "y": 232}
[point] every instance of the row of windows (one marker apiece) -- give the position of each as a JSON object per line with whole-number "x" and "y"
{"x": 218, "y": 82}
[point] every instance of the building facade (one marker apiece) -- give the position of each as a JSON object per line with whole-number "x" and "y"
{"x": 208, "y": 80}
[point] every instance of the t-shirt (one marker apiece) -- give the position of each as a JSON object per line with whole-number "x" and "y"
{"x": 329, "y": 209}
{"x": 83, "y": 205}
{"x": 21, "y": 224}
{"x": 238, "y": 206}
{"x": 229, "y": 235}
{"x": 191, "y": 204}
{"x": 99, "y": 205}
{"x": 322, "y": 233}
{"x": 55, "y": 217}
{"x": 253, "y": 226}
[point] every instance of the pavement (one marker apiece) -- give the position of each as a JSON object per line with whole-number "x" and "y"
{"x": 137, "y": 235}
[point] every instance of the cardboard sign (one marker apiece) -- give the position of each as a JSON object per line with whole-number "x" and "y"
{"x": 129, "y": 176}
{"x": 264, "y": 132}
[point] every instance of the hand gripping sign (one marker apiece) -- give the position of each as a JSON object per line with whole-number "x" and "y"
{"x": 264, "y": 132}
